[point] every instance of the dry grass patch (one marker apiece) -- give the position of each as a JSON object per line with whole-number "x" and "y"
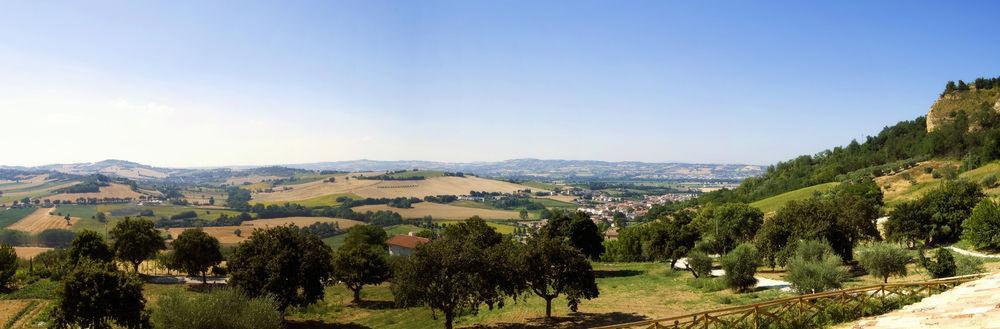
{"x": 43, "y": 219}
{"x": 388, "y": 189}
{"x": 442, "y": 211}
{"x": 563, "y": 198}
{"x": 227, "y": 234}
{"x": 29, "y": 252}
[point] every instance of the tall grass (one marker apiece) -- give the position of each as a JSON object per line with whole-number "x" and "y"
{"x": 222, "y": 308}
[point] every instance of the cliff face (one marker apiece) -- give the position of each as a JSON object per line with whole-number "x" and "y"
{"x": 962, "y": 101}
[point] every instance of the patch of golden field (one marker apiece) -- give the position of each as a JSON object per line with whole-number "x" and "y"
{"x": 227, "y": 234}
{"x": 249, "y": 179}
{"x": 113, "y": 190}
{"x": 24, "y": 183}
{"x": 900, "y": 185}
{"x": 29, "y": 252}
{"x": 441, "y": 211}
{"x": 43, "y": 219}
{"x": 10, "y": 308}
{"x": 389, "y": 189}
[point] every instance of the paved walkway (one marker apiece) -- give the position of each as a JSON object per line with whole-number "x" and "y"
{"x": 973, "y": 304}
{"x": 762, "y": 282}
{"x": 171, "y": 279}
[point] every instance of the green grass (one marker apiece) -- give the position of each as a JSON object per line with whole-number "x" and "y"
{"x": 41, "y": 289}
{"x": 8, "y": 217}
{"x": 472, "y": 204}
{"x": 500, "y": 227}
{"x": 337, "y": 241}
{"x": 774, "y": 203}
{"x": 323, "y": 200}
{"x": 117, "y": 212}
{"x": 975, "y": 175}
{"x": 539, "y": 185}
{"x": 550, "y": 203}
{"x": 647, "y": 289}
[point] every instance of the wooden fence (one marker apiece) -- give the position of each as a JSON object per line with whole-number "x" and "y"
{"x": 793, "y": 311}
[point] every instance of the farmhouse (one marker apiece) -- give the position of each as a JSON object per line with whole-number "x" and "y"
{"x": 403, "y": 245}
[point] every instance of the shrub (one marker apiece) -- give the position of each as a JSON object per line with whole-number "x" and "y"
{"x": 699, "y": 264}
{"x": 94, "y": 294}
{"x": 967, "y": 265}
{"x": 982, "y": 228}
{"x": 219, "y": 308}
{"x": 740, "y": 266}
{"x": 56, "y": 238}
{"x": 814, "y": 268}
{"x": 884, "y": 260}
{"x": 14, "y": 238}
{"x": 943, "y": 267}
{"x": 991, "y": 181}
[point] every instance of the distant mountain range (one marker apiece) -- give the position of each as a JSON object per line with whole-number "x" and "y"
{"x": 571, "y": 170}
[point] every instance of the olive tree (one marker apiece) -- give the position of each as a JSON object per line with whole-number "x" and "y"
{"x": 883, "y": 260}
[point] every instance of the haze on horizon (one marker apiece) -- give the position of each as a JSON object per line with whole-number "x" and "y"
{"x": 185, "y": 84}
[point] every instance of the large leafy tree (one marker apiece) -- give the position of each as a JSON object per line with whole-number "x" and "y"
{"x": 286, "y": 262}
{"x": 740, "y": 266}
{"x": 195, "y": 252}
{"x": 470, "y": 265}
{"x": 577, "y": 229}
{"x": 671, "y": 238}
{"x": 552, "y": 268}
{"x": 937, "y": 217}
{"x": 362, "y": 260}
{"x": 983, "y": 227}
{"x": 729, "y": 224}
{"x": 136, "y": 240}
{"x": 89, "y": 245}
{"x": 96, "y": 294}
{"x": 883, "y": 260}
{"x": 842, "y": 219}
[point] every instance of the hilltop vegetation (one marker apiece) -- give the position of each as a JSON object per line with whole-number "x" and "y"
{"x": 971, "y": 135}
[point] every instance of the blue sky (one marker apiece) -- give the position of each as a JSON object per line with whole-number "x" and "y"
{"x": 189, "y": 83}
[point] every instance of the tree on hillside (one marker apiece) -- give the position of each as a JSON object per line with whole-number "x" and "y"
{"x": 553, "y": 268}
{"x": 906, "y": 223}
{"x": 8, "y": 264}
{"x": 936, "y": 218}
{"x": 96, "y": 294}
{"x": 771, "y": 242}
{"x": 89, "y": 245}
{"x": 361, "y": 261}
{"x": 729, "y": 224}
{"x": 282, "y": 261}
{"x": 983, "y": 226}
{"x": 470, "y": 265}
{"x": 195, "y": 252}
{"x": 942, "y": 266}
{"x": 523, "y": 214}
{"x": 815, "y": 268}
{"x": 371, "y": 235}
{"x": 671, "y": 238}
{"x": 577, "y": 229}
{"x": 883, "y": 260}
{"x": 136, "y": 240}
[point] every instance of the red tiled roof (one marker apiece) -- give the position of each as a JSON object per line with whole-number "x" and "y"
{"x": 407, "y": 241}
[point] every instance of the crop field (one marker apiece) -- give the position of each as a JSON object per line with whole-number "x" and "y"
{"x": 554, "y": 203}
{"x": 442, "y": 211}
{"x": 11, "y": 216}
{"x": 252, "y": 179}
{"x": 562, "y": 198}
{"x": 201, "y": 195}
{"x": 112, "y": 191}
{"x": 34, "y": 192}
{"x": 26, "y": 183}
{"x": 501, "y": 227}
{"x": 227, "y": 234}
{"x": 323, "y": 200}
{"x": 387, "y": 189}
{"x": 29, "y": 252}
{"x": 41, "y": 220}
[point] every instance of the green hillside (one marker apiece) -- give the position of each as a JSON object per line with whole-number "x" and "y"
{"x": 772, "y": 204}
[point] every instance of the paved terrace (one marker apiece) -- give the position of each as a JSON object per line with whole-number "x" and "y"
{"x": 973, "y": 304}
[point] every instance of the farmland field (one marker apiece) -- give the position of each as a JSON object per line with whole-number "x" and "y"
{"x": 10, "y": 216}
{"x": 112, "y": 191}
{"x": 387, "y": 189}
{"x": 227, "y": 234}
{"x": 324, "y": 200}
{"x": 772, "y": 204}
{"x": 442, "y": 211}
{"x": 41, "y": 220}
{"x": 29, "y": 252}
{"x": 499, "y": 226}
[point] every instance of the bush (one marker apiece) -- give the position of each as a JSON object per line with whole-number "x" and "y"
{"x": 699, "y": 264}
{"x": 982, "y": 228}
{"x": 56, "y": 238}
{"x": 991, "y": 181}
{"x": 14, "y": 238}
{"x": 967, "y": 265}
{"x": 884, "y": 260}
{"x": 814, "y": 268}
{"x": 943, "y": 267}
{"x": 220, "y": 308}
{"x": 740, "y": 266}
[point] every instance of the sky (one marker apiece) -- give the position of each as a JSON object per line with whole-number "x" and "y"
{"x": 207, "y": 83}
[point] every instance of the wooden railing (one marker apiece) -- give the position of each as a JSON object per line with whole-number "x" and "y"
{"x": 792, "y": 311}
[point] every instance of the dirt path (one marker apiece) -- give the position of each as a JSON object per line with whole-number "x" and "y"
{"x": 762, "y": 282}
{"x": 41, "y": 220}
{"x": 973, "y": 253}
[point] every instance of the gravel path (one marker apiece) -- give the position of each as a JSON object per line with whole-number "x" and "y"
{"x": 972, "y": 253}
{"x": 762, "y": 282}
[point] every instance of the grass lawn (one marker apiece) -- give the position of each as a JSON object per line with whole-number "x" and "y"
{"x": 550, "y": 203}
{"x": 11, "y": 216}
{"x": 629, "y": 292}
{"x": 774, "y": 203}
{"x": 540, "y": 185}
{"x": 323, "y": 200}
